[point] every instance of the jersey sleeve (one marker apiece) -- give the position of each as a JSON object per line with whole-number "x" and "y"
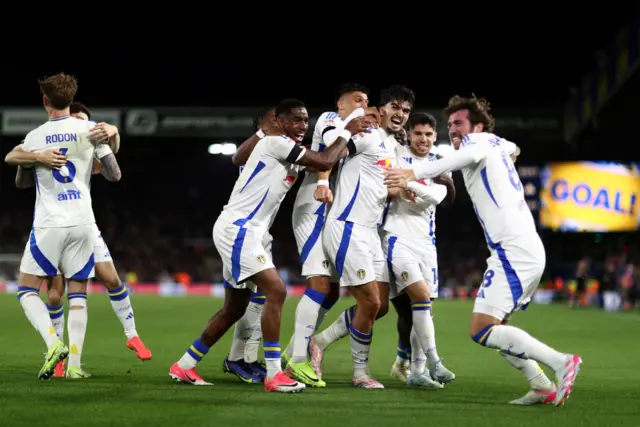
{"x": 471, "y": 151}
{"x": 508, "y": 146}
{"x": 283, "y": 148}
{"x": 428, "y": 194}
{"x": 101, "y": 151}
{"x": 359, "y": 142}
{"x": 27, "y": 143}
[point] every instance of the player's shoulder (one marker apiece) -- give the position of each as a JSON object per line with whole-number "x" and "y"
{"x": 328, "y": 118}
{"x": 485, "y": 138}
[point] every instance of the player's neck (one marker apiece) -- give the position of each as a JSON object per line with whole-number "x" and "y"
{"x": 56, "y": 114}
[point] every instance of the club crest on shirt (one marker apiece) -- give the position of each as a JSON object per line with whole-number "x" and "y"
{"x": 290, "y": 179}
{"x": 361, "y": 274}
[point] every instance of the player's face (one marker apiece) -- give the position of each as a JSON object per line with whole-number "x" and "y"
{"x": 460, "y": 126}
{"x": 351, "y": 102}
{"x": 80, "y": 115}
{"x": 394, "y": 115}
{"x": 421, "y": 139}
{"x": 295, "y": 123}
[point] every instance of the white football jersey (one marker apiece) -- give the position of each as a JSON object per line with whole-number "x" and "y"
{"x": 361, "y": 194}
{"x": 415, "y": 221}
{"x": 326, "y": 131}
{"x": 492, "y": 182}
{"x": 264, "y": 182}
{"x": 63, "y": 197}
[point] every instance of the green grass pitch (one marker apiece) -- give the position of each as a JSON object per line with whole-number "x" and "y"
{"x": 127, "y": 392}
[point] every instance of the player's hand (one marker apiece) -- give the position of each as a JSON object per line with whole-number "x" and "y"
{"x": 396, "y": 177}
{"x": 374, "y": 113}
{"x": 52, "y": 158}
{"x": 360, "y": 125}
{"x": 443, "y": 180}
{"x": 103, "y": 132}
{"x": 323, "y": 194}
{"x": 409, "y": 196}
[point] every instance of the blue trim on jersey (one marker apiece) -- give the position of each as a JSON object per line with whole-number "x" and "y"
{"x": 390, "y": 246}
{"x": 512, "y": 277}
{"x": 255, "y": 172}
{"x": 341, "y": 256}
{"x": 239, "y": 241}
{"x": 35, "y": 178}
{"x": 485, "y": 181}
{"x": 85, "y": 272}
{"x": 321, "y": 147}
{"x": 313, "y": 238}
{"x": 345, "y": 214}
{"x": 385, "y": 213}
{"x": 57, "y": 119}
{"x": 42, "y": 261}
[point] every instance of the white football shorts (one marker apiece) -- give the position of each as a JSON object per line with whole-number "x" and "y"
{"x": 68, "y": 250}
{"x": 101, "y": 251}
{"x": 514, "y": 270}
{"x": 355, "y": 252}
{"x": 408, "y": 262}
{"x": 242, "y": 252}
{"x": 307, "y": 229}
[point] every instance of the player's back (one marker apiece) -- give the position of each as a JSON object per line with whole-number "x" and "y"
{"x": 407, "y": 219}
{"x": 262, "y": 185}
{"x": 305, "y": 203}
{"x": 361, "y": 194}
{"x": 63, "y": 197}
{"x": 495, "y": 188}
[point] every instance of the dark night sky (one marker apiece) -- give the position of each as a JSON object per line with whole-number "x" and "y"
{"x": 525, "y": 58}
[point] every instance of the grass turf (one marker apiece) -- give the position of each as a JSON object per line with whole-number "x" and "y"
{"x": 127, "y": 392}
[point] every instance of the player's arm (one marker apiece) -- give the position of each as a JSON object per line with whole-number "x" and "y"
{"x": 427, "y": 195}
{"x": 97, "y": 167}
{"x": 447, "y": 181}
{"x": 245, "y": 149}
{"x": 324, "y": 161}
{"x": 512, "y": 149}
{"x": 109, "y": 165}
{"x": 25, "y": 178}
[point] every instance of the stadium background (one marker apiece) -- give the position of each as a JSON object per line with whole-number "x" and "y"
{"x": 567, "y": 92}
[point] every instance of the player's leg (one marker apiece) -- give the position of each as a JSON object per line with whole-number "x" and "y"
{"x": 430, "y": 273}
{"x": 41, "y": 255}
{"x": 55, "y": 305}
{"x": 270, "y": 282}
{"x": 235, "y": 362}
{"x": 401, "y": 367}
{"x": 78, "y": 264}
{"x": 339, "y": 329}
{"x": 77, "y": 326}
{"x": 119, "y": 297}
{"x": 235, "y": 304}
{"x": 256, "y": 306}
{"x": 510, "y": 280}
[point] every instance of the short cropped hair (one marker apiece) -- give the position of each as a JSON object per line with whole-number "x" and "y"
{"x": 77, "y": 107}
{"x": 59, "y": 90}
{"x": 287, "y": 105}
{"x": 260, "y": 117}
{"x": 420, "y": 118}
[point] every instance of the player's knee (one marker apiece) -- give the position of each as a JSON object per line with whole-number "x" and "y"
{"x": 54, "y": 298}
{"x": 383, "y": 309}
{"x": 370, "y": 305}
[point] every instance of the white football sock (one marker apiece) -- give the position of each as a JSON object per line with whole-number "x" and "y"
{"x": 518, "y": 343}
{"x": 336, "y": 331}
{"x": 272, "y": 358}
{"x": 324, "y": 309}
{"x": 241, "y": 334}
{"x": 121, "y": 305}
{"x": 193, "y": 355}
{"x": 423, "y": 327}
{"x": 360, "y": 346}
{"x": 56, "y": 313}
{"x": 305, "y": 324}
{"x": 531, "y": 371}
{"x": 253, "y": 343}
{"x": 418, "y": 357}
{"x": 77, "y": 327}
{"x": 38, "y": 315}
{"x": 432, "y": 350}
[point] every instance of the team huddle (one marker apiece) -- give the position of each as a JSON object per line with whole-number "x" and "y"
{"x": 363, "y": 219}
